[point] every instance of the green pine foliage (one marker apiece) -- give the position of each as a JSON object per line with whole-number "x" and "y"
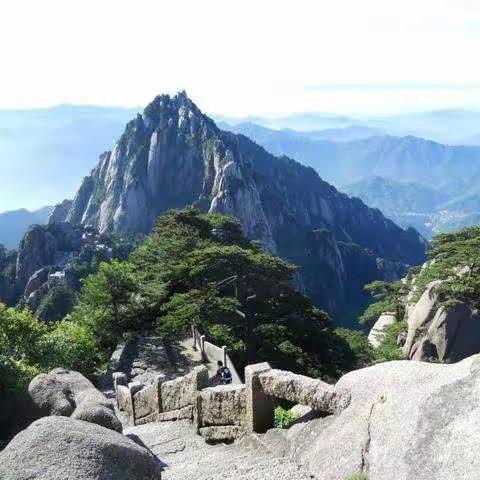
{"x": 200, "y": 269}
{"x": 194, "y": 268}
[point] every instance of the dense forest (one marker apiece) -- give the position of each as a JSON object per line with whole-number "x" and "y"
{"x": 193, "y": 268}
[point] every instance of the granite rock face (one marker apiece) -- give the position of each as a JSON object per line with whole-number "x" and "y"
{"x": 405, "y": 420}
{"x": 25, "y": 273}
{"x": 416, "y": 419}
{"x": 67, "y": 393}
{"x": 172, "y": 156}
{"x": 439, "y": 331}
{"x": 420, "y": 314}
{"x": 59, "y": 448}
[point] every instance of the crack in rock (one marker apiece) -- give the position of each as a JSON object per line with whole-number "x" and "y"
{"x": 366, "y": 447}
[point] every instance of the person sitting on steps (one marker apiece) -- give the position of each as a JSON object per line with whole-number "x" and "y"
{"x": 224, "y": 373}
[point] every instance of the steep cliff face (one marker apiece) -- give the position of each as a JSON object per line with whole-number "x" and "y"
{"x": 172, "y": 155}
{"x": 25, "y": 274}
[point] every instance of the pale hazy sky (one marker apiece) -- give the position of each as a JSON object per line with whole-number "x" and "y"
{"x": 241, "y": 57}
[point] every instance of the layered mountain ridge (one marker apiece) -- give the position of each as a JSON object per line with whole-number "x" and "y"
{"x": 172, "y": 155}
{"x": 403, "y": 169}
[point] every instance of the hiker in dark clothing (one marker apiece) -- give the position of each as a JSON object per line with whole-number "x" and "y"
{"x": 224, "y": 373}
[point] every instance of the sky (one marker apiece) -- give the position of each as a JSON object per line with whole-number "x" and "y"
{"x": 238, "y": 58}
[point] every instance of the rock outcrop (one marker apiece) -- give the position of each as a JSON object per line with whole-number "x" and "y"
{"x": 447, "y": 333}
{"x": 405, "y": 420}
{"x": 172, "y": 156}
{"x": 66, "y": 393}
{"x": 59, "y": 448}
{"x": 25, "y": 274}
{"x": 50, "y": 261}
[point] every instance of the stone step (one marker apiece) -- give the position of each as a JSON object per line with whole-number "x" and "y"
{"x": 187, "y": 457}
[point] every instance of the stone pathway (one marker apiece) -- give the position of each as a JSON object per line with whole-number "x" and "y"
{"x": 186, "y": 456}
{"x": 189, "y": 358}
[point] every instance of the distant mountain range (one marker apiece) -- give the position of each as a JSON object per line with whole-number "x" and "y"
{"x": 14, "y": 224}
{"x": 416, "y": 182}
{"x": 451, "y": 127}
{"x": 45, "y": 152}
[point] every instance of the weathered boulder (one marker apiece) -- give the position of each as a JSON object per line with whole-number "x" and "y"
{"x": 377, "y": 333}
{"x": 448, "y": 333}
{"x": 406, "y": 420}
{"x": 51, "y": 395}
{"x": 59, "y": 448}
{"x": 421, "y": 314}
{"x": 93, "y": 412}
{"x": 455, "y": 331}
{"x": 64, "y": 392}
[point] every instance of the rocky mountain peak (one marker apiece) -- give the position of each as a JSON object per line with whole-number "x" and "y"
{"x": 172, "y": 155}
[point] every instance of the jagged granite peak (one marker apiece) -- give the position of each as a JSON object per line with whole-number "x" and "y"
{"x": 172, "y": 155}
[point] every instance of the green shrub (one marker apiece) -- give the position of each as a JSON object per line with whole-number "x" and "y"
{"x": 284, "y": 418}
{"x": 388, "y": 350}
{"x": 359, "y": 349}
{"x": 57, "y": 303}
{"x": 71, "y": 345}
{"x": 357, "y": 476}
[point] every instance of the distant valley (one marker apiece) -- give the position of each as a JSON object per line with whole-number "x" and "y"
{"x": 416, "y": 182}
{"x": 45, "y": 152}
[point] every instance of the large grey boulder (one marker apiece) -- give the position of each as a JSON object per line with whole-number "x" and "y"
{"x": 51, "y": 395}
{"x": 101, "y": 414}
{"x": 455, "y": 331}
{"x": 448, "y": 333}
{"x": 406, "y": 420}
{"x": 59, "y": 448}
{"x": 65, "y": 392}
{"x": 419, "y": 316}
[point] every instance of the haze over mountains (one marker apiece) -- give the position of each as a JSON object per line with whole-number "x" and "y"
{"x": 13, "y": 224}
{"x": 451, "y": 127}
{"x": 403, "y": 168}
{"x": 45, "y": 152}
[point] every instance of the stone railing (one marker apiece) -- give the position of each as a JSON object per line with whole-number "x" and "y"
{"x": 160, "y": 400}
{"x": 226, "y": 412}
{"x": 211, "y": 354}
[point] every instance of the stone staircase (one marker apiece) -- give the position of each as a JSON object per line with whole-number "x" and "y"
{"x": 186, "y": 456}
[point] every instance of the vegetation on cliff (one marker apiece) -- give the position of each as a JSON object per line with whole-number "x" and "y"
{"x": 200, "y": 269}
{"x": 194, "y": 268}
{"x": 454, "y": 259}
